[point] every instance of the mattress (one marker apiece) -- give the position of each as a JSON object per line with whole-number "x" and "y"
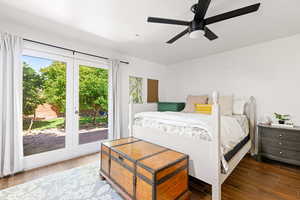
{"x": 230, "y": 154}
{"x": 243, "y": 121}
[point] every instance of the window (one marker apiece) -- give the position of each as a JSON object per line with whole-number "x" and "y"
{"x": 44, "y": 105}
{"x": 93, "y": 104}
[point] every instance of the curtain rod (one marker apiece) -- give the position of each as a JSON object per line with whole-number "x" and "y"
{"x": 74, "y": 51}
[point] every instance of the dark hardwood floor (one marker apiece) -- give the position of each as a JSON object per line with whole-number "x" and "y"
{"x": 251, "y": 180}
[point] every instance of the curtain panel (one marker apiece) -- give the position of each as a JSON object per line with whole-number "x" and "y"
{"x": 11, "y": 147}
{"x": 116, "y": 99}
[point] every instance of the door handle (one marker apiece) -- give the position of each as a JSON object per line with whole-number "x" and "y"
{"x": 120, "y": 158}
{"x": 76, "y": 112}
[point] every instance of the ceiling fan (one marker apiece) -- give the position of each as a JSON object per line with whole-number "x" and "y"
{"x": 198, "y": 26}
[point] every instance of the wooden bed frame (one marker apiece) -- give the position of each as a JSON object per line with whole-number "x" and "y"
{"x": 205, "y": 156}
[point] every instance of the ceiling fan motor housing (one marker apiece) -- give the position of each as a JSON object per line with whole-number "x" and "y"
{"x": 195, "y": 26}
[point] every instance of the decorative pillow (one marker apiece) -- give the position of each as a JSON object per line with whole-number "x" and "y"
{"x": 203, "y": 108}
{"x": 238, "y": 106}
{"x": 226, "y": 104}
{"x": 192, "y": 100}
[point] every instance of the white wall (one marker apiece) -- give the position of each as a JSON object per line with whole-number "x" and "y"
{"x": 137, "y": 67}
{"x": 269, "y": 71}
{"x": 145, "y": 70}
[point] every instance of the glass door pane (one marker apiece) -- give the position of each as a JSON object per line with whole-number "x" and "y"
{"x": 44, "y": 105}
{"x": 93, "y": 104}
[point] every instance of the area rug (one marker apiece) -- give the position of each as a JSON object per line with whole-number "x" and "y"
{"x": 81, "y": 183}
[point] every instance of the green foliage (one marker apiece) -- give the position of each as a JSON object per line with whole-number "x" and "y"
{"x": 45, "y": 124}
{"x": 93, "y": 89}
{"x": 32, "y": 90}
{"x": 84, "y": 121}
{"x": 51, "y": 85}
{"x": 55, "y": 85}
{"x": 282, "y": 117}
{"x": 59, "y": 123}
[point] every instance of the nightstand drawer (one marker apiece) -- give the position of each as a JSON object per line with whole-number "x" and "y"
{"x": 281, "y": 144}
{"x": 285, "y": 135}
{"x": 281, "y": 153}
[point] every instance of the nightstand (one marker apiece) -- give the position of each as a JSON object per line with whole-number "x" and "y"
{"x": 280, "y": 144}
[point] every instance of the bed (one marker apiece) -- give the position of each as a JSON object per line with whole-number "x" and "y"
{"x": 211, "y": 158}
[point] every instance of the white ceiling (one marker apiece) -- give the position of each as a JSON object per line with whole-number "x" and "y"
{"x": 117, "y": 22}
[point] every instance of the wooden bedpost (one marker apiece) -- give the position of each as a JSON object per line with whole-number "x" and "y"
{"x": 130, "y": 117}
{"x": 216, "y": 150}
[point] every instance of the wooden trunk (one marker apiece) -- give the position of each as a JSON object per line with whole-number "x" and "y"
{"x": 144, "y": 171}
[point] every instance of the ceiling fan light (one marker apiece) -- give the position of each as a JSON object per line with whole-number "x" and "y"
{"x": 196, "y": 34}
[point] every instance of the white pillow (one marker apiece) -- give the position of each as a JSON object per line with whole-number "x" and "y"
{"x": 238, "y": 106}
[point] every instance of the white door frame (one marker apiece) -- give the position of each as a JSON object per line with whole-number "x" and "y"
{"x": 72, "y": 148}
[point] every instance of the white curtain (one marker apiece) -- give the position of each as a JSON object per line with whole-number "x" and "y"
{"x": 11, "y": 147}
{"x": 116, "y": 99}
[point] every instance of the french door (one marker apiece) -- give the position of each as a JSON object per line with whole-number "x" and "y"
{"x": 91, "y": 90}
{"x": 65, "y": 107}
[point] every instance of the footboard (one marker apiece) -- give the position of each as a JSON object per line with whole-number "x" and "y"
{"x": 198, "y": 150}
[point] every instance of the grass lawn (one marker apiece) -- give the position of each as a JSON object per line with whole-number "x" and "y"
{"x": 59, "y": 123}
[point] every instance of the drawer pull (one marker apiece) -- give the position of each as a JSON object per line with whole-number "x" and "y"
{"x": 280, "y": 135}
{"x": 280, "y": 152}
{"x": 120, "y": 158}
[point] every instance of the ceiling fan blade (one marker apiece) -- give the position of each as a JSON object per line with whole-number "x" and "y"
{"x": 232, "y": 14}
{"x": 209, "y": 34}
{"x": 168, "y": 21}
{"x": 178, "y": 36}
{"x": 202, "y": 9}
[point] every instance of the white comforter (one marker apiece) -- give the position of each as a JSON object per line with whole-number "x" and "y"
{"x": 194, "y": 125}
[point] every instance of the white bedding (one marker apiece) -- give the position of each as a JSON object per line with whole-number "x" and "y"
{"x": 233, "y": 128}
